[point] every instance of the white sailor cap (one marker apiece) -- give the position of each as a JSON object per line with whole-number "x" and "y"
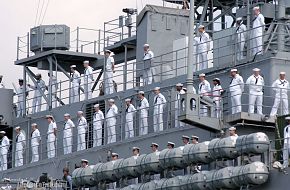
{"x": 200, "y": 26}
{"x": 179, "y": 84}
{"x": 201, "y": 75}
{"x": 287, "y": 118}
{"x": 256, "y": 8}
{"x": 128, "y": 100}
{"x": 154, "y": 144}
{"x": 18, "y": 127}
{"x": 73, "y": 66}
{"x": 66, "y": 115}
{"x": 171, "y": 143}
{"x": 2, "y": 132}
{"x": 108, "y": 51}
{"x": 232, "y": 129}
{"x": 234, "y": 70}
{"x": 185, "y": 137}
{"x": 84, "y": 160}
{"x": 86, "y": 62}
{"x": 80, "y": 112}
{"x": 239, "y": 19}
{"x": 96, "y": 105}
{"x": 48, "y": 116}
{"x": 194, "y": 137}
{"x": 141, "y": 92}
{"x": 216, "y": 79}
{"x": 115, "y": 154}
{"x": 146, "y": 45}
{"x": 157, "y": 88}
{"x": 256, "y": 69}
{"x": 282, "y": 73}
{"x": 135, "y": 148}
{"x": 33, "y": 124}
{"x": 111, "y": 100}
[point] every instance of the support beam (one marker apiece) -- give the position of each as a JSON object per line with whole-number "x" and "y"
{"x": 24, "y": 90}
{"x": 204, "y": 12}
{"x": 49, "y": 59}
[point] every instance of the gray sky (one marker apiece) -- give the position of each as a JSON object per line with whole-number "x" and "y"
{"x": 18, "y": 16}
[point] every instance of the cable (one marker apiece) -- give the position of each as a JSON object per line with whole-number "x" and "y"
{"x": 40, "y": 12}
{"x": 36, "y": 13}
{"x": 44, "y": 12}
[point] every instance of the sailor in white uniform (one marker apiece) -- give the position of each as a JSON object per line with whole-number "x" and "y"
{"x": 286, "y": 148}
{"x": 217, "y": 91}
{"x": 4, "y": 147}
{"x": 143, "y": 109}
{"x": 148, "y": 59}
{"x": 37, "y": 100}
{"x": 21, "y": 98}
{"x": 109, "y": 70}
{"x": 170, "y": 145}
{"x": 88, "y": 80}
{"x": 203, "y": 89}
{"x": 236, "y": 89}
{"x": 159, "y": 105}
{"x": 130, "y": 113}
{"x": 257, "y": 32}
{"x": 256, "y": 84}
{"x": 35, "y": 141}
{"x": 111, "y": 121}
{"x": 241, "y": 30}
{"x": 185, "y": 139}
{"x": 51, "y": 136}
{"x": 203, "y": 48}
{"x": 20, "y": 147}
{"x": 75, "y": 84}
{"x": 154, "y": 148}
{"x": 82, "y": 127}
{"x": 67, "y": 134}
{"x": 280, "y": 88}
{"x": 178, "y": 107}
{"x": 98, "y": 121}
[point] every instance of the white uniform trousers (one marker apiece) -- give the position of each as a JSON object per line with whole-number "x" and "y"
{"x": 177, "y": 122}
{"x": 3, "y": 161}
{"x": 18, "y": 158}
{"x": 158, "y": 118}
{"x": 81, "y": 139}
{"x": 202, "y": 59}
{"x": 143, "y": 124}
{"x": 97, "y": 135}
{"x": 286, "y": 153}
{"x": 257, "y": 43}
{"x": 277, "y": 103}
{"x": 36, "y": 104}
{"x": 51, "y": 146}
{"x": 67, "y": 144}
{"x": 240, "y": 50}
{"x": 87, "y": 90}
{"x": 148, "y": 76}
{"x": 109, "y": 84}
{"x": 129, "y": 129}
{"x": 255, "y": 99}
{"x": 217, "y": 108}
{"x": 75, "y": 97}
{"x": 236, "y": 103}
{"x": 111, "y": 130}
{"x": 35, "y": 155}
{"x": 20, "y": 110}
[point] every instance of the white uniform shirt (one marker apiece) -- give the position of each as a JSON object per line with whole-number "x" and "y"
{"x": 287, "y": 135}
{"x": 112, "y": 112}
{"x": 51, "y": 127}
{"x": 76, "y": 80}
{"x": 204, "y": 42}
{"x": 241, "y": 31}
{"x": 41, "y": 85}
{"x": 217, "y": 92}
{"x": 68, "y": 126}
{"x": 258, "y": 22}
{"x": 109, "y": 64}
{"x": 144, "y": 107}
{"x": 20, "y": 91}
{"x": 204, "y": 88}
{"x": 89, "y": 74}
{"x": 98, "y": 118}
{"x": 130, "y": 112}
{"x": 256, "y": 84}
{"x": 20, "y": 141}
{"x": 148, "y": 55}
{"x": 159, "y": 99}
{"x": 178, "y": 97}
{"x": 82, "y": 123}
{"x": 35, "y": 138}
{"x": 237, "y": 85}
{"x": 5, "y": 143}
{"x": 280, "y": 87}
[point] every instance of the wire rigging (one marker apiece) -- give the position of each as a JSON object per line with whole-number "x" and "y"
{"x": 40, "y": 15}
{"x": 45, "y": 12}
{"x": 36, "y": 13}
